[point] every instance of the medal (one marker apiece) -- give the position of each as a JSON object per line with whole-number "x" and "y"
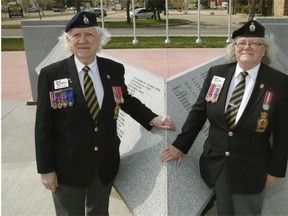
{"x": 70, "y": 97}
{"x": 52, "y": 100}
{"x": 210, "y": 92}
{"x": 215, "y": 89}
{"x": 64, "y": 98}
{"x": 267, "y": 100}
{"x": 118, "y": 94}
{"x": 262, "y": 122}
{"x": 116, "y": 111}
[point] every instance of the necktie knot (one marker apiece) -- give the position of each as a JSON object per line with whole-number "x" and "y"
{"x": 244, "y": 74}
{"x": 86, "y": 69}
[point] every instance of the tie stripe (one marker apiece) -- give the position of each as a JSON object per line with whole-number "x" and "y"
{"x": 235, "y": 101}
{"x": 90, "y": 94}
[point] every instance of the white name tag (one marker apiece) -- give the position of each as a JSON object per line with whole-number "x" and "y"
{"x": 219, "y": 81}
{"x": 61, "y": 83}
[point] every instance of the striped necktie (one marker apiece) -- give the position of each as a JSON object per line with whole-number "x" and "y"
{"x": 235, "y": 101}
{"x": 90, "y": 94}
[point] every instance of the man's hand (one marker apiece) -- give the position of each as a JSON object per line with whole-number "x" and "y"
{"x": 270, "y": 181}
{"x": 172, "y": 153}
{"x": 50, "y": 181}
{"x": 163, "y": 122}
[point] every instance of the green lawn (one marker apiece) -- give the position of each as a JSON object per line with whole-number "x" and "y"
{"x": 16, "y": 44}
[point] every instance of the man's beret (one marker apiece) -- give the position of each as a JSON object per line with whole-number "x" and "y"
{"x": 250, "y": 29}
{"x": 82, "y": 19}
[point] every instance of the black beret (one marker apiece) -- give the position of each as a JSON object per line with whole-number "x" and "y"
{"x": 82, "y": 19}
{"x": 250, "y": 29}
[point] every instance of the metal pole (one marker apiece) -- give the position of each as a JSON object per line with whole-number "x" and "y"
{"x": 102, "y": 14}
{"x": 229, "y": 40}
{"x": 198, "y": 40}
{"x": 135, "y": 41}
{"x": 167, "y": 41}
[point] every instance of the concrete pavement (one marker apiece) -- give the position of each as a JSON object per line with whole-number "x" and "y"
{"x": 22, "y": 192}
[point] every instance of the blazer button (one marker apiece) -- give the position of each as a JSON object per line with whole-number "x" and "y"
{"x": 96, "y": 148}
{"x": 96, "y": 129}
{"x": 227, "y": 153}
{"x": 230, "y": 133}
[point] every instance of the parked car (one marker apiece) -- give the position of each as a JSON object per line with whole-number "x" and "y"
{"x": 142, "y": 13}
{"x": 32, "y": 10}
{"x": 97, "y": 11}
{"x": 70, "y": 9}
{"x": 57, "y": 8}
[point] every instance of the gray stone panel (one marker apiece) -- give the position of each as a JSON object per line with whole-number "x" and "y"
{"x": 39, "y": 38}
{"x": 278, "y": 27}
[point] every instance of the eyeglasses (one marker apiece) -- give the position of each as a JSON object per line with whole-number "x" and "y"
{"x": 243, "y": 44}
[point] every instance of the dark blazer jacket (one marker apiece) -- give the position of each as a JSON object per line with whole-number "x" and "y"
{"x": 249, "y": 154}
{"x": 67, "y": 140}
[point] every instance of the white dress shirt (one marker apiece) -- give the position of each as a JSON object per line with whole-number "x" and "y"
{"x": 95, "y": 76}
{"x": 250, "y": 82}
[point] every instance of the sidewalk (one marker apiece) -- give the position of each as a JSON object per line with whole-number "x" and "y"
{"x": 22, "y": 192}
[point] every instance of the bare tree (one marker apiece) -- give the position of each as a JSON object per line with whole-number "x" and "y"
{"x": 252, "y": 10}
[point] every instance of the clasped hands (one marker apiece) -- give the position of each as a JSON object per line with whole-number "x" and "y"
{"x": 171, "y": 153}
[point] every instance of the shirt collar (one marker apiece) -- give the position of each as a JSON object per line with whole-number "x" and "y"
{"x": 80, "y": 65}
{"x": 251, "y": 73}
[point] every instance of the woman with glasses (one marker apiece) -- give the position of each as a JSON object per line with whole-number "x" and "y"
{"x": 245, "y": 102}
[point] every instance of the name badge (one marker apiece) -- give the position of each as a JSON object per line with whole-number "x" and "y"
{"x": 61, "y": 83}
{"x": 215, "y": 89}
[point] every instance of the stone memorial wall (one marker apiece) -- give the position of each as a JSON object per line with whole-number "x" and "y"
{"x": 147, "y": 186}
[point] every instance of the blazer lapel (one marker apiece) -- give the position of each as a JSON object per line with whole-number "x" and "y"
{"x": 105, "y": 79}
{"x": 227, "y": 74}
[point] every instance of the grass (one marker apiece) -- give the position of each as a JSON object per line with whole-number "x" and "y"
{"x": 123, "y": 24}
{"x": 17, "y": 44}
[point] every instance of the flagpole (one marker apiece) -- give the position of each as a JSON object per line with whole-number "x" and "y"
{"x": 102, "y": 13}
{"x": 198, "y": 40}
{"x": 229, "y": 40}
{"x": 135, "y": 41}
{"x": 167, "y": 40}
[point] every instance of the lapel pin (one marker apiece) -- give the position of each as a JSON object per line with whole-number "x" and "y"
{"x": 262, "y": 86}
{"x": 108, "y": 76}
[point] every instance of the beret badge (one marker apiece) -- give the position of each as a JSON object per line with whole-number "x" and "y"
{"x": 252, "y": 27}
{"x": 85, "y": 20}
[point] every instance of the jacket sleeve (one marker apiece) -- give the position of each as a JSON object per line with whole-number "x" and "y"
{"x": 278, "y": 161}
{"x": 195, "y": 120}
{"x": 43, "y": 126}
{"x": 135, "y": 108}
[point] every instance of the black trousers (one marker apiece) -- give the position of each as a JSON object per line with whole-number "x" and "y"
{"x": 236, "y": 204}
{"x": 90, "y": 201}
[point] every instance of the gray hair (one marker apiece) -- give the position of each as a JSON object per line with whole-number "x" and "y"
{"x": 267, "y": 41}
{"x": 103, "y": 34}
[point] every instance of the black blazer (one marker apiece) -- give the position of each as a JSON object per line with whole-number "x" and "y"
{"x": 67, "y": 140}
{"x": 249, "y": 154}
